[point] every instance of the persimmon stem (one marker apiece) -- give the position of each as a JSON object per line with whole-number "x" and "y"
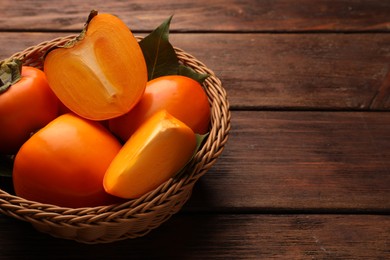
{"x": 10, "y": 73}
{"x": 81, "y": 36}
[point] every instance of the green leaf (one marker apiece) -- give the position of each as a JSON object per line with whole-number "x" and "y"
{"x": 189, "y": 72}
{"x": 199, "y": 142}
{"x": 6, "y": 164}
{"x": 160, "y": 56}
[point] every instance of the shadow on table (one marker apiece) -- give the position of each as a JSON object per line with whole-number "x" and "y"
{"x": 185, "y": 235}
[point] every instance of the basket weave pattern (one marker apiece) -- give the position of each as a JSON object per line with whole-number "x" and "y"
{"x": 133, "y": 218}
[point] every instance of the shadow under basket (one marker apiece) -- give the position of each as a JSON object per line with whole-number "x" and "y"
{"x": 133, "y": 218}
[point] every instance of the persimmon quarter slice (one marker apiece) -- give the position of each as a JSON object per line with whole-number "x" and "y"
{"x": 156, "y": 151}
{"x": 102, "y": 73}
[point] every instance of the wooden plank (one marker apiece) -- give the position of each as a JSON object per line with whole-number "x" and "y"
{"x": 300, "y": 161}
{"x": 220, "y": 237}
{"x": 282, "y": 71}
{"x": 203, "y": 15}
{"x": 140, "y": 15}
{"x": 295, "y": 71}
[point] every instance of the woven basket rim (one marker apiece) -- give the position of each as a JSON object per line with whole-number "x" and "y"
{"x": 211, "y": 149}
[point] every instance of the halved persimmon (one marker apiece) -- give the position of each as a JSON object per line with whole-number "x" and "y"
{"x": 102, "y": 73}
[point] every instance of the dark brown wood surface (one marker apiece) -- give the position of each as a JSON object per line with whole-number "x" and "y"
{"x": 220, "y": 236}
{"x": 306, "y": 171}
{"x": 281, "y": 71}
{"x": 204, "y": 15}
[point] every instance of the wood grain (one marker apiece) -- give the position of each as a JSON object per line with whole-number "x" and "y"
{"x": 281, "y": 71}
{"x": 306, "y": 171}
{"x": 300, "y": 161}
{"x": 381, "y": 99}
{"x": 203, "y": 15}
{"x": 218, "y": 236}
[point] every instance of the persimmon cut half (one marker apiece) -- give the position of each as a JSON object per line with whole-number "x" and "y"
{"x": 102, "y": 73}
{"x": 158, "y": 150}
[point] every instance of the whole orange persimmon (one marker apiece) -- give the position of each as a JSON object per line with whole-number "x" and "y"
{"x": 181, "y": 96}
{"x": 26, "y": 104}
{"x": 64, "y": 163}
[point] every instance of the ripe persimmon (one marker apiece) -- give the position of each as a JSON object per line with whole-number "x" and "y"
{"x": 64, "y": 163}
{"x": 102, "y": 73}
{"x": 159, "y": 148}
{"x": 26, "y": 104}
{"x": 181, "y": 96}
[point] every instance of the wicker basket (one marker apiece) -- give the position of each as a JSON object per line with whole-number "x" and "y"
{"x": 133, "y": 218}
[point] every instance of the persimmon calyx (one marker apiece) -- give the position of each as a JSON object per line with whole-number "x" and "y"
{"x": 81, "y": 36}
{"x": 10, "y": 73}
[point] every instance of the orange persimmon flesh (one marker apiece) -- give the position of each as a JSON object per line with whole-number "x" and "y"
{"x": 160, "y": 148}
{"x": 100, "y": 75}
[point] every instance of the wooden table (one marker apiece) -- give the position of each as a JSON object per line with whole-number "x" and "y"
{"x": 306, "y": 171}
